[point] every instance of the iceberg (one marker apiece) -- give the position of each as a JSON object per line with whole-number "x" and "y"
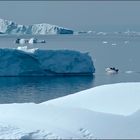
{"x": 35, "y": 62}
{"x": 10, "y": 27}
{"x": 103, "y": 112}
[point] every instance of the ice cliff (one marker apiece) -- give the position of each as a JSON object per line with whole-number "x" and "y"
{"x": 35, "y": 62}
{"x": 10, "y": 27}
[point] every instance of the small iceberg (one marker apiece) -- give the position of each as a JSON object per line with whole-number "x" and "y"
{"x": 41, "y": 41}
{"x": 34, "y": 40}
{"x": 126, "y": 42}
{"x": 113, "y": 44}
{"x": 21, "y": 41}
{"x": 101, "y": 33}
{"x": 104, "y": 42}
{"x": 29, "y": 41}
{"x": 129, "y": 72}
{"x": 35, "y": 62}
{"x": 26, "y": 49}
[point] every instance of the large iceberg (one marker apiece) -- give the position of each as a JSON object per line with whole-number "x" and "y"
{"x": 34, "y": 62}
{"x": 10, "y": 27}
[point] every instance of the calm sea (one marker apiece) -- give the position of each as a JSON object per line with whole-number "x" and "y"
{"x": 122, "y": 52}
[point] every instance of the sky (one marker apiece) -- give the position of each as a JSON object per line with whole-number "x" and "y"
{"x": 78, "y": 15}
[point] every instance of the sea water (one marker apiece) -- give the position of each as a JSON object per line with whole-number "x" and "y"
{"x": 110, "y": 50}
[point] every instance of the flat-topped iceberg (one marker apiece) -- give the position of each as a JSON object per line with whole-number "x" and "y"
{"x": 34, "y": 62}
{"x": 10, "y": 27}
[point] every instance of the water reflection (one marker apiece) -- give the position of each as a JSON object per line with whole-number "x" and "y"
{"x": 39, "y": 89}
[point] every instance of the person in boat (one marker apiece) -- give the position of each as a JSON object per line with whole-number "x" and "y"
{"x": 111, "y": 70}
{"x": 114, "y": 69}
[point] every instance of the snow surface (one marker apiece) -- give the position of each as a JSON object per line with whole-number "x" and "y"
{"x": 35, "y": 62}
{"x": 77, "y": 116}
{"x": 10, "y": 27}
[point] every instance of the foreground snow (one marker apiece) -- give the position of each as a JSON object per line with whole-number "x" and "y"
{"x": 119, "y": 99}
{"x": 77, "y": 116}
{"x": 10, "y": 27}
{"x": 34, "y": 62}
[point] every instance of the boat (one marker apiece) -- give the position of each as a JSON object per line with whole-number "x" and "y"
{"x": 112, "y": 70}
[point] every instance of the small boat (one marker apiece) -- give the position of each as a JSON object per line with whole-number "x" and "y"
{"x": 112, "y": 70}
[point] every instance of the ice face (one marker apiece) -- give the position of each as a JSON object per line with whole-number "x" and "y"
{"x": 34, "y": 62}
{"x": 9, "y": 27}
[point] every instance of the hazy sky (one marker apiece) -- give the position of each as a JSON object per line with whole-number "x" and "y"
{"x": 75, "y": 15}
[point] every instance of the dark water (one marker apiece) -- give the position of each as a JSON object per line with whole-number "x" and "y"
{"x": 125, "y": 55}
{"x": 39, "y": 89}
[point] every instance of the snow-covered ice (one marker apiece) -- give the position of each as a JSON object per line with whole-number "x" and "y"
{"x": 126, "y": 42}
{"x": 104, "y": 42}
{"x": 108, "y": 111}
{"x": 29, "y": 41}
{"x": 35, "y": 40}
{"x": 10, "y": 27}
{"x": 123, "y": 100}
{"x": 129, "y": 71}
{"x": 113, "y": 44}
{"x": 35, "y": 62}
{"x": 101, "y": 33}
{"x": 26, "y": 49}
{"x": 23, "y": 41}
{"x": 32, "y": 40}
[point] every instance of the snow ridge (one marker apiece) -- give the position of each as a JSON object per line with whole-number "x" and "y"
{"x": 77, "y": 116}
